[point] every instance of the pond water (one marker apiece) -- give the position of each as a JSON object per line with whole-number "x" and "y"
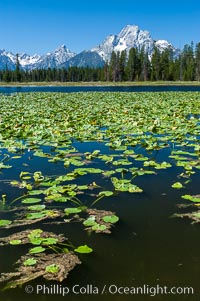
{"x": 161, "y": 88}
{"x": 147, "y": 246}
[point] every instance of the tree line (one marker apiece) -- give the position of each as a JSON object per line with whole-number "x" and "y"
{"x": 134, "y": 66}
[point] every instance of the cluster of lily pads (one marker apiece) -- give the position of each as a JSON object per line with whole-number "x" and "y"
{"x": 102, "y": 143}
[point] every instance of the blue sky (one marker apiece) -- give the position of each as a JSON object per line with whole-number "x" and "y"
{"x": 35, "y": 26}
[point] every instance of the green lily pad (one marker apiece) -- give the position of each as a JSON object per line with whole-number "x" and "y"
{"x": 99, "y": 228}
{"x": 53, "y": 268}
{"x": 35, "y": 192}
{"x": 37, "y": 250}
{"x": 35, "y": 233}
{"x": 69, "y": 211}
{"x": 177, "y": 185}
{"x": 15, "y": 242}
{"x": 83, "y": 249}
{"x": 30, "y": 262}
{"x": 90, "y": 221}
{"x": 5, "y": 222}
{"x": 50, "y": 241}
{"x": 36, "y": 207}
{"x": 31, "y": 201}
{"x": 106, "y": 193}
{"x": 36, "y": 241}
{"x": 110, "y": 219}
{"x": 36, "y": 215}
{"x": 3, "y": 166}
{"x": 191, "y": 198}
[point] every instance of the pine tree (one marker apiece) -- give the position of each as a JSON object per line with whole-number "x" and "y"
{"x": 188, "y": 63}
{"x": 145, "y": 66}
{"x": 197, "y": 62}
{"x": 122, "y": 65}
{"x": 155, "y": 65}
{"x": 17, "y": 69}
{"x": 113, "y": 67}
{"x": 6, "y": 75}
{"x": 132, "y": 65}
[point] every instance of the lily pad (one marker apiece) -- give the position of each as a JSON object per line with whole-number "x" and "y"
{"x": 5, "y": 222}
{"x": 37, "y": 250}
{"x": 99, "y": 228}
{"x": 106, "y": 193}
{"x": 69, "y": 211}
{"x": 36, "y": 207}
{"x": 36, "y": 215}
{"x": 30, "y": 262}
{"x": 53, "y": 268}
{"x": 31, "y": 201}
{"x": 49, "y": 241}
{"x": 177, "y": 185}
{"x": 90, "y": 221}
{"x": 195, "y": 199}
{"x": 83, "y": 249}
{"x": 110, "y": 219}
{"x": 15, "y": 242}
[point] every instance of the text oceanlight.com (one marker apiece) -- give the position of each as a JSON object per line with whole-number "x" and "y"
{"x": 111, "y": 289}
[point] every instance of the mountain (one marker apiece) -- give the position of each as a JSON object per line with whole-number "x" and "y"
{"x": 27, "y": 62}
{"x": 130, "y": 36}
{"x": 6, "y": 60}
{"x": 53, "y": 59}
{"x": 84, "y": 59}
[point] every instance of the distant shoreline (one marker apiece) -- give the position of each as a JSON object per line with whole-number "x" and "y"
{"x": 96, "y": 84}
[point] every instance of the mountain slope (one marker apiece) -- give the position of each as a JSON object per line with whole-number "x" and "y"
{"x": 6, "y": 60}
{"x": 84, "y": 59}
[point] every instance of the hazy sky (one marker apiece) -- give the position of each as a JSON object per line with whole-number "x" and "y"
{"x": 40, "y": 26}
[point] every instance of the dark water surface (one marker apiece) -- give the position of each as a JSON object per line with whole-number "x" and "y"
{"x": 64, "y": 89}
{"x": 146, "y": 248}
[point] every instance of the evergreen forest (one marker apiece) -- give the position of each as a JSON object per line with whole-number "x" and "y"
{"x": 133, "y": 66}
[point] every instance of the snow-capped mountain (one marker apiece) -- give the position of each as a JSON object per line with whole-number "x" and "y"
{"x": 6, "y": 60}
{"x": 130, "y": 36}
{"x": 84, "y": 59}
{"x": 50, "y": 60}
{"x": 53, "y": 59}
{"x": 27, "y": 60}
{"x": 163, "y": 44}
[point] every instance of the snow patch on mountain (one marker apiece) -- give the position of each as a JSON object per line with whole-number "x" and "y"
{"x": 25, "y": 59}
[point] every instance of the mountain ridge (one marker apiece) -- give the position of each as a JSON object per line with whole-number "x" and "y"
{"x": 130, "y": 36}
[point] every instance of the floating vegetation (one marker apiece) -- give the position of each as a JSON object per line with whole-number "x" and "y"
{"x": 54, "y": 266}
{"x": 35, "y": 237}
{"x": 194, "y": 215}
{"x": 100, "y": 221}
{"x": 90, "y": 147}
{"x": 51, "y": 267}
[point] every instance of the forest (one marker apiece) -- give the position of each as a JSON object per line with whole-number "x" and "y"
{"x": 133, "y": 66}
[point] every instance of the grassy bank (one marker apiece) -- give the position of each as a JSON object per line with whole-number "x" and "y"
{"x": 147, "y": 83}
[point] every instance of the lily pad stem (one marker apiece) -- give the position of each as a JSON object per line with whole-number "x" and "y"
{"x": 98, "y": 199}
